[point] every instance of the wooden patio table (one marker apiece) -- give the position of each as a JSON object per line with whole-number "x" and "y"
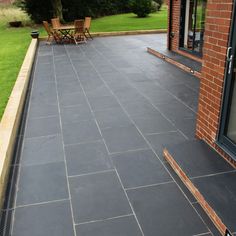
{"x": 66, "y": 31}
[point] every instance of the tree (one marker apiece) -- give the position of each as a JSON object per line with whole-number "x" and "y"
{"x": 57, "y": 9}
{"x": 141, "y": 8}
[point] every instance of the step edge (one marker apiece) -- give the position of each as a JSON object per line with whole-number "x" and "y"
{"x": 195, "y": 192}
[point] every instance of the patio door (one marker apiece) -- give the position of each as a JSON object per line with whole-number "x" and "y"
{"x": 192, "y": 25}
{"x": 227, "y": 135}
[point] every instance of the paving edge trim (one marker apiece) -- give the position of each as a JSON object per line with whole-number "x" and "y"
{"x": 121, "y": 33}
{"x": 195, "y": 192}
{"x": 173, "y": 62}
{"x": 11, "y": 118}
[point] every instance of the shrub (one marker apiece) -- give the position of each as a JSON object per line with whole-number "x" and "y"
{"x": 141, "y": 7}
{"x": 160, "y": 3}
{"x": 40, "y": 10}
{"x": 155, "y": 6}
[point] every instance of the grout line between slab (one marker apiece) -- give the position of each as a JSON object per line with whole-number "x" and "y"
{"x": 111, "y": 218}
{"x": 149, "y": 185}
{"x": 215, "y": 174}
{"x": 92, "y": 173}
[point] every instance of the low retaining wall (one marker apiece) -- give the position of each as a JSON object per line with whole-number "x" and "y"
{"x": 10, "y": 122}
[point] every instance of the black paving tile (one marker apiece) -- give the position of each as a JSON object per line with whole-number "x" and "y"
{"x": 69, "y": 87}
{"x": 196, "y": 158}
{"x": 165, "y": 210}
{"x": 42, "y": 109}
{"x": 42, "y": 150}
{"x": 42, "y": 127}
{"x": 114, "y": 117}
{"x": 160, "y": 141}
{"x": 72, "y": 99}
{"x": 103, "y": 103}
{"x": 76, "y": 113}
{"x": 187, "y": 126}
{"x": 140, "y": 168}
{"x": 220, "y": 192}
{"x": 48, "y": 219}
{"x": 154, "y": 125}
{"x": 87, "y": 158}
{"x": 120, "y": 139}
{"x": 141, "y": 109}
{"x": 42, "y": 183}
{"x": 176, "y": 110}
{"x": 81, "y": 132}
{"x": 98, "y": 197}
{"x": 125, "y": 226}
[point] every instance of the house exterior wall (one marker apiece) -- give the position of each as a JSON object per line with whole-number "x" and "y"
{"x": 218, "y": 21}
{"x": 217, "y": 30}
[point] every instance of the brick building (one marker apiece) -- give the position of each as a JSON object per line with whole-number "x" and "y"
{"x": 204, "y": 30}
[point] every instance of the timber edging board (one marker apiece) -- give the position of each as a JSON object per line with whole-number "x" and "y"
{"x": 11, "y": 118}
{"x": 173, "y": 62}
{"x": 195, "y": 192}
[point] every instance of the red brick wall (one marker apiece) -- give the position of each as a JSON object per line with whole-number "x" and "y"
{"x": 218, "y": 21}
{"x": 217, "y": 28}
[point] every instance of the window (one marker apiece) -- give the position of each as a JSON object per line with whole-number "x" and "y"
{"x": 192, "y": 25}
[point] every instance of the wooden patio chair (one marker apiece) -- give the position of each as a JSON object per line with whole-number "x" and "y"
{"x": 55, "y": 22}
{"x": 79, "y": 36}
{"x": 87, "y": 24}
{"x": 52, "y": 35}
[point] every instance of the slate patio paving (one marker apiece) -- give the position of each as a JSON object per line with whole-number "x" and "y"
{"x": 90, "y": 157}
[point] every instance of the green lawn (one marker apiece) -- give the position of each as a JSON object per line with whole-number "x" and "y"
{"x": 15, "y": 41}
{"x": 128, "y": 22}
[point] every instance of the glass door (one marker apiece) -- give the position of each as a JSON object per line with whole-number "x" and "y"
{"x": 192, "y": 25}
{"x": 227, "y": 135}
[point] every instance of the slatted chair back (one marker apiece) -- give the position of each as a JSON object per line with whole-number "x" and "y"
{"x": 55, "y": 22}
{"x": 87, "y": 24}
{"x": 79, "y": 36}
{"x": 47, "y": 28}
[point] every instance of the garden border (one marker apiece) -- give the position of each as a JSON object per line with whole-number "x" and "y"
{"x": 11, "y": 118}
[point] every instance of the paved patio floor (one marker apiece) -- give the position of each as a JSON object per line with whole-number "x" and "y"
{"x": 90, "y": 162}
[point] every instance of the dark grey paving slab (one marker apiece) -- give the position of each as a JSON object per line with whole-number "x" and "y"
{"x": 141, "y": 109}
{"x": 140, "y": 168}
{"x": 185, "y": 94}
{"x": 161, "y": 140}
{"x": 98, "y": 197}
{"x": 207, "y": 220}
{"x": 42, "y": 127}
{"x": 176, "y": 110}
{"x": 42, "y": 150}
{"x": 220, "y": 192}
{"x": 103, "y": 103}
{"x": 187, "y": 127}
{"x": 196, "y": 158}
{"x": 87, "y": 158}
{"x": 42, "y": 183}
{"x": 74, "y": 114}
{"x": 69, "y": 87}
{"x": 120, "y": 139}
{"x": 165, "y": 210}
{"x": 72, "y": 99}
{"x": 51, "y": 219}
{"x": 155, "y": 124}
{"x": 113, "y": 117}
{"x": 125, "y": 226}
{"x": 81, "y": 132}
{"x": 42, "y": 109}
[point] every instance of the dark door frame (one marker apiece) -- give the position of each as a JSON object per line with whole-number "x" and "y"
{"x": 228, "y": 145}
